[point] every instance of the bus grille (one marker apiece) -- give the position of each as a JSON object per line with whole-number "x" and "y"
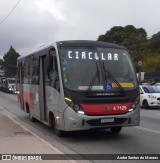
{"x": 97, "y": 122}
{"x": 105, "y": 101}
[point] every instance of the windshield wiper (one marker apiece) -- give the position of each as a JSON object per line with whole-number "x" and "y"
{"x": 93, "y": 80}
{"x": 108, "y": 75}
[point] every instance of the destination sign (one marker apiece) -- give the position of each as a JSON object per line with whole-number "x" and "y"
{"x": 92, "y": 55}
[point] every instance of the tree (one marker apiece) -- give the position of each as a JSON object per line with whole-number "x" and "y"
{"x": 1, "y": 63}
{"x": 1, "y": 68}
{"x": 127, "y": 35}
{"x": 157, "y": 62}
{"x": 135, "y": 39}
{"x": 154, "y": 42}
{"x": 10, "y": 62}
{"x": 114, "y": 35}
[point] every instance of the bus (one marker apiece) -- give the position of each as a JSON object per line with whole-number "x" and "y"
{"x": 79, "y": 85}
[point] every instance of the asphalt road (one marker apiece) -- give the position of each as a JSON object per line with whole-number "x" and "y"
{"x": 143, "y": 139}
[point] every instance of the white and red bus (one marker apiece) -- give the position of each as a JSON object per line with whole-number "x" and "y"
{"x": 79, "y": 85}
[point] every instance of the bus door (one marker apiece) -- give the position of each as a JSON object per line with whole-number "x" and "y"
{"x": 49, "y": 83}
{"x": 42, "y": 92}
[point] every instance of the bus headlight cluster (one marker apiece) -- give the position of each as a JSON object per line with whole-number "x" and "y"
{"x": 134, "y": 104}
{"x": 76, "y": 107}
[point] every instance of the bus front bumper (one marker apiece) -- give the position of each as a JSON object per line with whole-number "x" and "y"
{"x": 74, "y": 121}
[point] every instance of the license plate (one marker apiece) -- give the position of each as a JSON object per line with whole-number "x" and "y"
{"x": 106, "y": 120}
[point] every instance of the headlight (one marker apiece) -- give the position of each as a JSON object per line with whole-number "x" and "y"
{"x": 76, "y": 107}
{"x": 18, "y": 92}
{"x": 10, "y": 89}
{"x": 134, "y": 104}
{"x": 152, "y": 97}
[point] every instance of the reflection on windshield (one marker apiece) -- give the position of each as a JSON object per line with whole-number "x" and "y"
{"x": 108, "y": 75}
{"x": 79, "y": 65}
{"x": 152, "y": 89}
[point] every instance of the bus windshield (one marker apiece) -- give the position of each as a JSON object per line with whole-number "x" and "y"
{"x": 86, "y": 68}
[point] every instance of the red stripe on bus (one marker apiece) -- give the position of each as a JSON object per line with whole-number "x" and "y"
{"x": 27, "y": 98}
{"x": 106, "y": 109}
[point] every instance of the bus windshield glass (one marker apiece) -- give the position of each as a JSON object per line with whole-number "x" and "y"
{"x": 86, "y": 68}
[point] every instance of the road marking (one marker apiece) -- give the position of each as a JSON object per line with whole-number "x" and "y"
{"x": 147, "y": 129}
{"x": 157, "y": 113}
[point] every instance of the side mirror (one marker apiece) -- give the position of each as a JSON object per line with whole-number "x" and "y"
{"x": 141, "y": 92}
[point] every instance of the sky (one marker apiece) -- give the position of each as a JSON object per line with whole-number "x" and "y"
{"x": 34, "y": 23}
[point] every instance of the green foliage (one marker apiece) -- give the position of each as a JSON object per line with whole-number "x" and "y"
{"x": 1, "y": 62}
{"x": 115, "y": 35}
{"x": 157, "y": 63}
{"x": 135, "y": 39}
{"x": 10, "y": 62}
{"x": 148, "y": 63}
{"x": 154, "y": 42}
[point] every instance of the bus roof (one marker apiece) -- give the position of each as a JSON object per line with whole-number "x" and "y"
{"x": 88, "y": 43}
{"x": 74, "y": 43}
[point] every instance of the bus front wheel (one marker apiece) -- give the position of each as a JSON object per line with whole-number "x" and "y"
{"x": 58, "y": 132}
{"x": 54, "y": 125}
{"x": 115, "y": 130}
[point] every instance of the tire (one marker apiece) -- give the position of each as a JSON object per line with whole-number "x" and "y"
{"x": 115, "y": 130}
{"x": 58, "y": 132}
{"x": 31, "y": 117}
{"x": 145, "y": 104}
{"x": 54, "y": 125}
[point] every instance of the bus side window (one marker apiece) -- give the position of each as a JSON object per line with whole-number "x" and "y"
{"x": 35, "y": 71}
{"x": 53, "y": 71}
{"x": 56, "y": 83}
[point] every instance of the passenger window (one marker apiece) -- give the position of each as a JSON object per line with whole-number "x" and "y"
{"x": 53, "y": 70}
{"x": 35, "y": 70}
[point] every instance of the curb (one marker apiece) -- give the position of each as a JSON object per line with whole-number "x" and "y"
{"x": 12, "y": 117}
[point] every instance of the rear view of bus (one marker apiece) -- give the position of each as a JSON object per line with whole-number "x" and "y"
{"x": 99, "y": 85}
